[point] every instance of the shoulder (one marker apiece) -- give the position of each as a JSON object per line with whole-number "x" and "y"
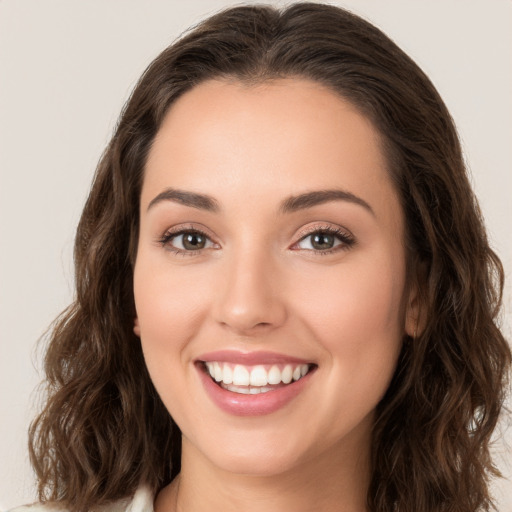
{"x": 142, "y": 501}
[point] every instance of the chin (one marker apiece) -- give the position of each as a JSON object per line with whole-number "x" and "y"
{"x": 253, "y": 454}
{"x": 258, "y": 465}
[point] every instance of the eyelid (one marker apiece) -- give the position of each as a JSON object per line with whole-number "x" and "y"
{"x": 188, "y": 226}
{"x": 175, "y": 231}
{"x": 323, "y": 227}
{"x": 346, "y": 238}
{"x": 343, "y": 235}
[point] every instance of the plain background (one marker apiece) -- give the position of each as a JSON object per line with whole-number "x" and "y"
{"x": 66, "y": 68}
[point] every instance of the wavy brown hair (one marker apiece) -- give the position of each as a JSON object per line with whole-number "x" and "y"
{"x": 103, "y": 430}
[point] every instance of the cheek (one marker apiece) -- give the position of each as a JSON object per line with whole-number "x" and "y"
{"x": 359, "y": 299}
{"x": 362, "y": 327}
{"x": 169, "y": 310}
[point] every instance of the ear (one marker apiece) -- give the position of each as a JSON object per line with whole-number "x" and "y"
{"x": 136, "y": 326}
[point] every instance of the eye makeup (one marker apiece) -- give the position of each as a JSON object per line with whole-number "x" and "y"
{"x": 321, "y": 240}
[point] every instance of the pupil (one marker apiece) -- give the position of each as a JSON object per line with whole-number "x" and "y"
{"x": 193, "y": 241}
{"x": 323, "y": 241}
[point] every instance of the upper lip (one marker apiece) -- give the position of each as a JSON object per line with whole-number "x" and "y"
{"x": 250, "y": 358}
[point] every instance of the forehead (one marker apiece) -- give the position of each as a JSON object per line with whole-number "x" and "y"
{"x": 275, "y": 138}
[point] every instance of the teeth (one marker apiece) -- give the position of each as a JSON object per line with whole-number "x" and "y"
{"x": 218, "y": 373}
{"x": 274, "y": 375}
{"x": 246, "y": 390}
{"x": 227, "y": 374}
{"x": 240, "y": 375}
{"x": 287, "y": 374}
{"x": 257, "y": 377}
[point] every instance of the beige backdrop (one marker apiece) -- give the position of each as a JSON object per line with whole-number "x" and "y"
{"x": 66, "y": 68}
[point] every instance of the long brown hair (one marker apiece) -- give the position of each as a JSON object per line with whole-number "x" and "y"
{"x": 104, "y": 431}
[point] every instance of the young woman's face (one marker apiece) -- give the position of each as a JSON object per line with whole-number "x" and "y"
{"x": 270, "y": 251}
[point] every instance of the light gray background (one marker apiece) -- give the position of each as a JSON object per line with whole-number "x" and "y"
{"x": 66, "y": 68}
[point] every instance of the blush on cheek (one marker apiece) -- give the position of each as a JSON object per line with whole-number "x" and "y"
{"x": 356, "y": 308}
{"x": 166, "y": 303}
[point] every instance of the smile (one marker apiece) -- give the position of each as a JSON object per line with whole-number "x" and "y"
{"x": 253, "y": 384}
{"x": 252, "y": 380}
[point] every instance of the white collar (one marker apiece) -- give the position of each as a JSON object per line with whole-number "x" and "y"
{"x": 142, "y": 501}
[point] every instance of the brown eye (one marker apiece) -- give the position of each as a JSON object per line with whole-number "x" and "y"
{"x": 187, "y": 241}
{"x": 322, "y": 241}
{"x": 326, "y": 240}
{"x": 193, "y": 241}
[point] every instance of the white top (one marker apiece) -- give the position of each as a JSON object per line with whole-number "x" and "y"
{"x": 142, "y": 501}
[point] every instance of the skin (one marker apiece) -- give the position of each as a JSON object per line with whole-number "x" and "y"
{"x": 259, "y": 284}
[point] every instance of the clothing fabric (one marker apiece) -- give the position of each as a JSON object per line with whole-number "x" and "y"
{"x": 142, "y": 501}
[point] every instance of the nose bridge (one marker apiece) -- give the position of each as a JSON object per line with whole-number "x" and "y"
{"x": 250, "y": 297}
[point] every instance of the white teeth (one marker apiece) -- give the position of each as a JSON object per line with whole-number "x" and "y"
{"x": 258, "y": 377}
{"x": 287, "y": 374}
{"x": 211, "y": 369}
{"x": 218, "y": 373}
{"x": 245, "y": 390}
{"x": 274, "y": 375}
{"x": 227, "y": 374}
{"x": 240, "y": 375}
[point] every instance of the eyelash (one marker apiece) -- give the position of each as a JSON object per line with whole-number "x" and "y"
{"x": 346, "y": 239}
{"x": 170, "y": 235}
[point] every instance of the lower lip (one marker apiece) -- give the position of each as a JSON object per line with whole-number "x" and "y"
{"x": 239, "y": 404}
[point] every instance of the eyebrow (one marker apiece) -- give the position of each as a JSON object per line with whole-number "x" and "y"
{"x": 192, "y": 199}
{"x": 317, "y": 197}
{"x": 289, "y": 205}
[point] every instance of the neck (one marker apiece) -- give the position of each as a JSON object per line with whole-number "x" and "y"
{"x": 332, "y": 482}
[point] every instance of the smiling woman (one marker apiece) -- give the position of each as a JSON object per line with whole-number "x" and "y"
{"x": 254, "y": 276}
{"x": 285, "y": 295}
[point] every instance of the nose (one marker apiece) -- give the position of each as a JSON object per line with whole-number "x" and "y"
{"x": 251, "y": 299}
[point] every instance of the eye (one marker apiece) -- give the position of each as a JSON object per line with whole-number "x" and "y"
{"x": 186, "y": 240}
{"x": 326, "y": 240}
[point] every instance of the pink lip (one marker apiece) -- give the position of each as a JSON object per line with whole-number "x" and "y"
{"x": 239, "y": 404}
{"x": 250, "y": 358}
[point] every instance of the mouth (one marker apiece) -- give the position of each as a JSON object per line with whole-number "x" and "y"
{"x": 255, "y": 383}
{"x": 255, "y": 379}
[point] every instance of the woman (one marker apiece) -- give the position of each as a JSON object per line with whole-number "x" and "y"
{"x": 285, "y": 295}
